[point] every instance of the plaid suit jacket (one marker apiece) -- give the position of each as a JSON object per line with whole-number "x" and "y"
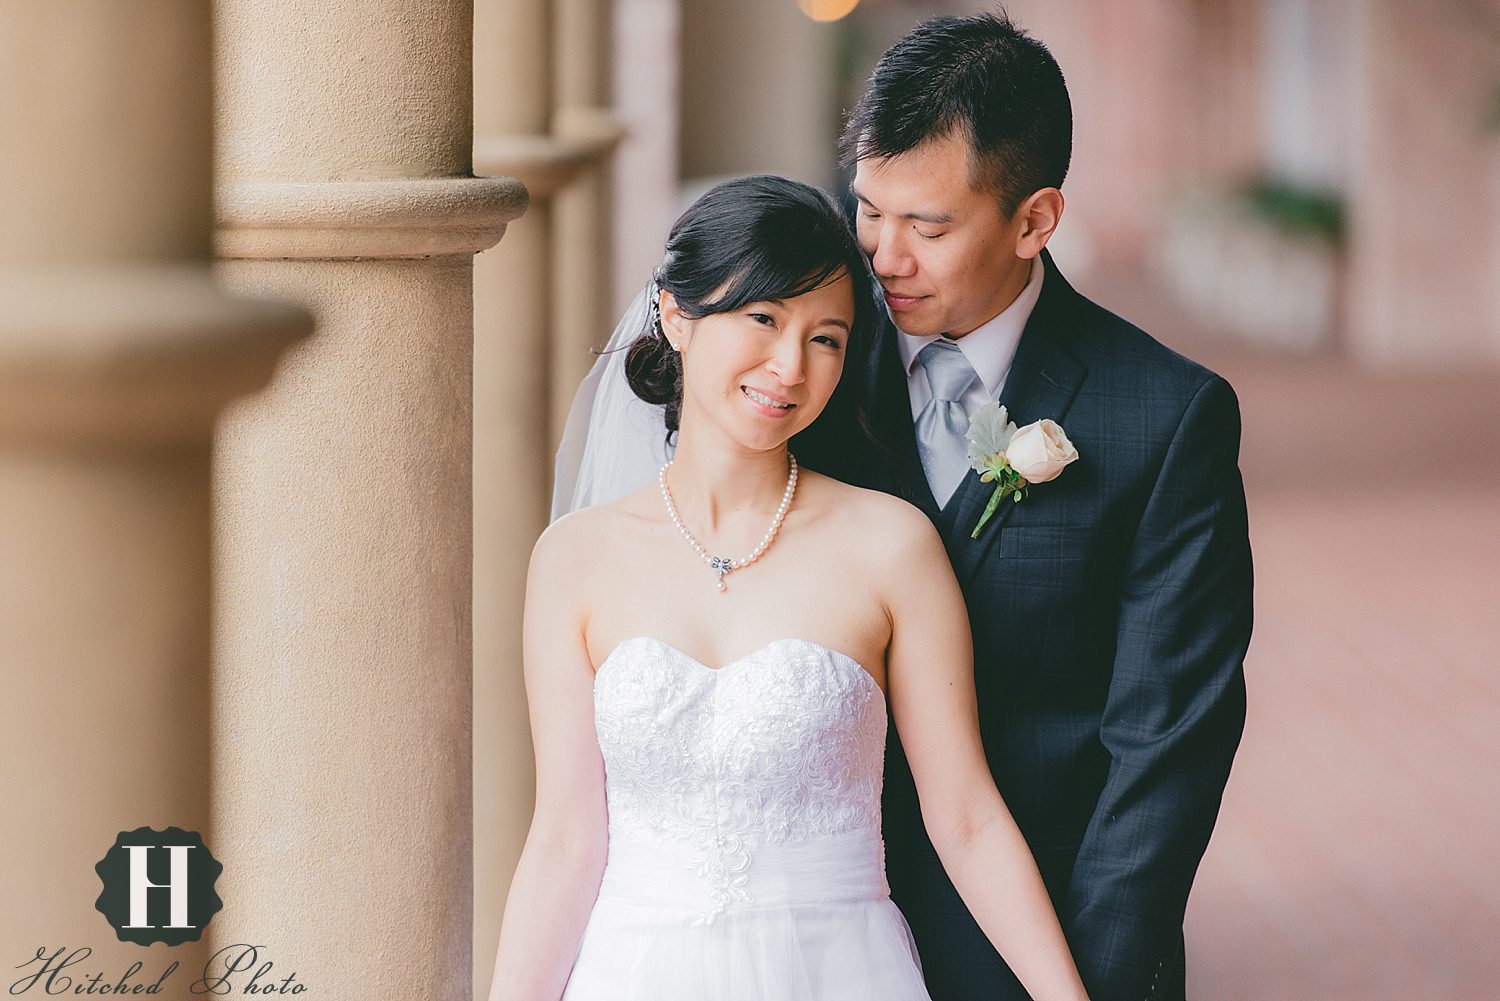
{"x": 1110, "y": 612}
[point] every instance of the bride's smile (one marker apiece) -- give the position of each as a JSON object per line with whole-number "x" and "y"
{"x": 767, "y": 404}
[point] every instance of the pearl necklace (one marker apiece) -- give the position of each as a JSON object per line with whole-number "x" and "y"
{"x": 723, "y": 565}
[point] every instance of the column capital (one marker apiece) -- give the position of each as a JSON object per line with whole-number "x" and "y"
{"x": 582, "y": 139}
{"x": 375, "y": 219}
{"x": 131, "y": 355}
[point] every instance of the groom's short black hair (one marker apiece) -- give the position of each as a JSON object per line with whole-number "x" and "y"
{"x": 980, "y": 77}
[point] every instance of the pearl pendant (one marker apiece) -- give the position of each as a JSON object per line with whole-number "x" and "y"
{"x": 723, "y": 565}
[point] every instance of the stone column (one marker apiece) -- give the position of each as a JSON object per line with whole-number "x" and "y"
{"x": 582, "y": 305}
{"x": 512, "y": 400}
{"x": 117, "y": 351}
{"x": 646, "y": 171}
{"x": 342, "y": 751}
{"x": 540, "y": 116}
{"x": 513, "y": 394}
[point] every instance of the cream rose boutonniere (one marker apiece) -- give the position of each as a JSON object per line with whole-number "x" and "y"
{"x": 1013, "y": 459}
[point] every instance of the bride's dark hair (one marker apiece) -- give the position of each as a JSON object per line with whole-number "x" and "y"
{"x": 744, "y": 241}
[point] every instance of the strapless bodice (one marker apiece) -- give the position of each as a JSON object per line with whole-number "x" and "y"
{"x": 743, "y": 779}
{"x": 745, "y": 860}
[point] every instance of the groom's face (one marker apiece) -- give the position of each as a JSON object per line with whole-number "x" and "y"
{"x": 944, "y": 252}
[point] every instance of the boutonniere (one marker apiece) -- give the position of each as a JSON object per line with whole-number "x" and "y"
{"x": 1014, "y": 459}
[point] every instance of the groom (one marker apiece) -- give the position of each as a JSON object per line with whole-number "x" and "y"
{"x": 1111, "y": 607}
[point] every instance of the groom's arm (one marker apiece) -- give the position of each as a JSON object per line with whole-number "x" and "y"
{"x": 1176, "y": 706}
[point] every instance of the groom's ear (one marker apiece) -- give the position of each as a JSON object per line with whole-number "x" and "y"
{"x": 1035, "y": 220}
{"x": 673, "y": 324}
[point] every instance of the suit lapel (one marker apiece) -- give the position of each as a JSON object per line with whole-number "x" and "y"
{"x": 1043, "y": 379}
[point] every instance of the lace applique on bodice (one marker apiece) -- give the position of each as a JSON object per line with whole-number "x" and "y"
{"x": 784, "y": 745}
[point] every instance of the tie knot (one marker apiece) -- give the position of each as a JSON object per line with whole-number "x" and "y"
{"x": 948, "y": 371}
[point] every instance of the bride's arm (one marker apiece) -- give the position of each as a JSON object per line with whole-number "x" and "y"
{"x": 930, "y": 676}
{"x": 557, "y": 879}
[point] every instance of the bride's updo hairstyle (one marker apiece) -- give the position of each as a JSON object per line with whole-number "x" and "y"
{"x": 744, "y": 241}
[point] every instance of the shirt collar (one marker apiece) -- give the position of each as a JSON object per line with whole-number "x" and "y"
{"x": 991, "y": 346}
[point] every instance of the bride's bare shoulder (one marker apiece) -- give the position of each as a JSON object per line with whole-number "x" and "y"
{"x": 592, "y": 531}
{"x": 878, "y": 520}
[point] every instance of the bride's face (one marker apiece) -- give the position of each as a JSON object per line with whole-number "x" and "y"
{"x": 764, "y": 371}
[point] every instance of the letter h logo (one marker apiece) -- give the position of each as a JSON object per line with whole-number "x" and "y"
{"x": 140, "y": 883}
{"x": 173, "y": 907}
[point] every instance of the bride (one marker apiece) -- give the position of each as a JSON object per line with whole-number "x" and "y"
{"x": 710, "y": 729}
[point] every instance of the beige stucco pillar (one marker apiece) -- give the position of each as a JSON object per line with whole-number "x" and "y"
{"x": 581, "y": 295}
{"x": 342, "y": 690}
{"x": 646, "y": 173}
{"x": 541, "y": 115}
{"x": 117, "y": 351}
{"x": 512, "y": 396}
{"x": 512, "y": 426}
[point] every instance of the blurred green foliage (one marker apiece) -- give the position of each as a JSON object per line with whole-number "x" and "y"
{"x": 1296, "y": 208}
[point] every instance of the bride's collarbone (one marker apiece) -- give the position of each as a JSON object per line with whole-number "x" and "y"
{"x": 777, "y": 582}
{"x": 643, "y": 578}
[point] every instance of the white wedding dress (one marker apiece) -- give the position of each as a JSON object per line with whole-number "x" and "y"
{"x": 745, "y": 860}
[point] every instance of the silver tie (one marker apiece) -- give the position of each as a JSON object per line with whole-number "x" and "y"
{"x": 943, "y": 423}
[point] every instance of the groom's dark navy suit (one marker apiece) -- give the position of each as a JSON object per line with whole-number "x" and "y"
{"x": 1111, "y": 611}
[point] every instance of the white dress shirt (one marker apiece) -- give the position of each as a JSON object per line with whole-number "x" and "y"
{"x": 989, "y": 348}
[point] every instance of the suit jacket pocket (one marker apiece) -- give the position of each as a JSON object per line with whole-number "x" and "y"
{"x": 1046, "y": 542}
